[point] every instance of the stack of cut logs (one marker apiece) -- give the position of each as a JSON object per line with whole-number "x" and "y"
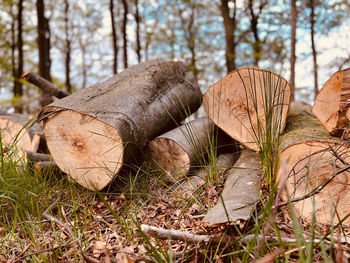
{"x": 95, "y": 132}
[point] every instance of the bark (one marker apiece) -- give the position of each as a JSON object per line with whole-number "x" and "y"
{"x": 44, "y": 48}
{"x": 125, "y": 33}
{"x": 294, "y": 14}
{"x": 95, "y": 131}
{"x": 46, "y": 86}
{"x": 114, "y": 38}
{"x": 313, "y": 46}
{"x": 38, "y": 157}
{"x": 138, "y": 42}
{"x": 240, "y": 101}
{"x": 332, "y": 103}
{"x": 312, "y": 167}
{"x": 19, "y": 131}
{"x": 241, "y": 191}
{"x": 186, "y": 147}
{"x": 230, "y": 24}
{"x": 200, "y": 177}
{"x": 68, "y": 47}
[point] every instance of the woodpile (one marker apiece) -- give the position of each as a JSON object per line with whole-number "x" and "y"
{"x": 95, "y": 132}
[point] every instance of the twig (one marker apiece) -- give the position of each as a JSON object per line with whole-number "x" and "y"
{"x": 20, "y": 259}
{"x": 248, "y": 238}
{"x": 65, "y": 226}
{"x": 44, "y": 85}
{"x": 270, "y": 257}
{"x": 46, "y": 214}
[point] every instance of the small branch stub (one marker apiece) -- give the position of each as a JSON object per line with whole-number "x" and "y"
{"x": 44, "y": 85}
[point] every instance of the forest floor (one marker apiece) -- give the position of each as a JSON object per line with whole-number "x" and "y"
{"x": 48, "y": 218}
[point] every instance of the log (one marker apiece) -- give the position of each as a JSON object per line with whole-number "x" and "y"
{"x": 239, "y": 102}
{"x": 186, "y": 147}
{"x": 198, "y": 179}
{"x": 240, "y": 193}
{"x": 313, "y": 170}
{"x": 20, "y": 131}
{"x": 94, "y": 132}
{"x": 38, "y": 157}
{"x": 332, "y": 104}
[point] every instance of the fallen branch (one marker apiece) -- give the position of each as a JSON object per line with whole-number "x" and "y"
{"x": 44, "y": 85}
{"x": 216, "y": 239}
{"x": 183, "y": 236}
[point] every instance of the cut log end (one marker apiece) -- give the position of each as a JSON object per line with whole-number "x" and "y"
{"x": 16, "y": 133}
{"x": 169, "y": 156}
{"x": 332, "y": 103}
{"x": 87, "y": 149}
{"x": 236, "y": 102}
{"x": 310, "y": 164}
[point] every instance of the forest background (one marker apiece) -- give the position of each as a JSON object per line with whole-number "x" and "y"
{"x": 76, "y": 43}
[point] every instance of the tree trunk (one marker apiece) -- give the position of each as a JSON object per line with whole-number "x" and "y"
{"x": 138, "y": 41}
{"x": 310, "y": 163}
{"x": 314, "y": 52}
{"x": 19, "y": 72}
{"x": 13, "y": 56}
{"x": 254, "y": 14}
{"x": 237, "y": 105}
{"x": 332, "y": 103}
{"x": 125, "y": 33}
{"x": 92, "y": 133}
{"x": 114, "y": 38}
{"x": 18, "y": 131}
{"x": 186, "y": 147}
{"x": 44, "y": 48}
{"x": 230, "y": 28}
{"x": 68, "y": 46}
{"x": 294, "y": 14}
{"x": 241, "y": 191}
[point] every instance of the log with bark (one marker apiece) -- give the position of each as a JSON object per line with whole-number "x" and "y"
{"x": 240, "y": 102}
{"x": 224, "y": 162}
{"x": 92, "y": 133}
{"x": 241, "y": 191}
{"x": 313, "y": 170}
{"x": 187, "y": 147}
{"x": 20, "y": 131}
{"x": 332, "y": 104}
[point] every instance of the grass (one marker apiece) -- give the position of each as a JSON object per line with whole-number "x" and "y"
{"x": 46, "y": 218}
